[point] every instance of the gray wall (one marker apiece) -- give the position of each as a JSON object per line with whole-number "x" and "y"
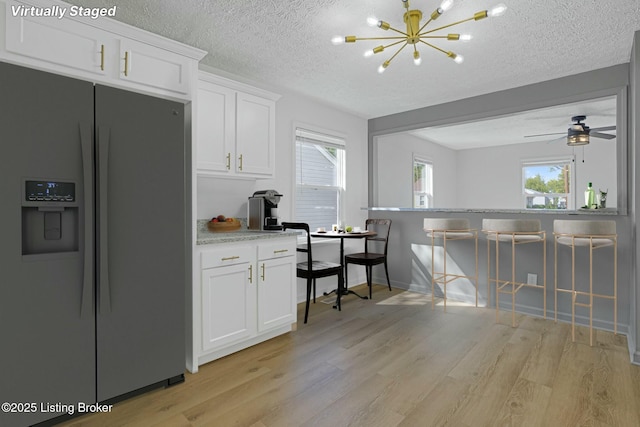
{"x": 622, "y": 79}
{"x": 634, "y": 138}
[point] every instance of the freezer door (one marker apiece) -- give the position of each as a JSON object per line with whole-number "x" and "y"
{"x": 46, "y": 280}
{"x": 141, "y": 241}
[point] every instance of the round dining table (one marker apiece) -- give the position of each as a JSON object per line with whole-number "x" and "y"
{"x": 342, "y": 235}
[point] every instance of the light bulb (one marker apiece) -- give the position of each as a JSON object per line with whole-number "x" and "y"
{"x": 337, "y": 40}
{"x": 372, "y": 21}
{"x": 381, "y": 69}
{"x": 368, "y": 53}
{"x": 465, "y": 37}
{"x": 446, "y": 5}
{"x": 497, "y": 10}
{"x": 416, "y": 58}
{"x": 459, "y": 59}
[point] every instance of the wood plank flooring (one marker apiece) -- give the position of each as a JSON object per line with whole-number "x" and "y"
{"x": 394, "y": 361}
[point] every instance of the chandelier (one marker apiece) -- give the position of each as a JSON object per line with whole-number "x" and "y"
{"x": 417, "y": 34}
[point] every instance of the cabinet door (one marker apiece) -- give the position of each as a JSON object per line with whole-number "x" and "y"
{"x": 215, "y": 128}
{"x": 154, "y": 67}
{"x": 255, "y": 135}
{"x": 64, "y": 43}
{"x": 276, "y": 292}
{"x": 228, "y": 305}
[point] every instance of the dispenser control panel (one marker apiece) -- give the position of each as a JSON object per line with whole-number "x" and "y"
{"x": 49, "y": 191}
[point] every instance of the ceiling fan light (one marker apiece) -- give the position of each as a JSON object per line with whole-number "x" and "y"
{"x": 497, "y": 10}
{"x": 578, "y": 139}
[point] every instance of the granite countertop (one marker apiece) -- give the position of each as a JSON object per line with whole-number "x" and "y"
{"x": 206, "y": 237}
{"x": 606, "y": 211}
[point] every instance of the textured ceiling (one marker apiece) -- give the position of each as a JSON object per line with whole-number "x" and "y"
{"x": 286, "y": 44}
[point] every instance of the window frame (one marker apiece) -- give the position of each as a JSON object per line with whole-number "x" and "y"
{"x": 429, "y": 196}
{"x": 551, "y": 161}
{"x": 325, "y": 138}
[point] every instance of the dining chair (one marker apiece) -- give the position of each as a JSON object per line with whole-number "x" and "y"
{"x": 368, "y": 258}
{"x": 314, "y": 269}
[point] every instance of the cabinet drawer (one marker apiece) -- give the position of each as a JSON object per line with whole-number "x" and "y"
{"x": 277, "y": 249}
{"x": 228, "y": 255}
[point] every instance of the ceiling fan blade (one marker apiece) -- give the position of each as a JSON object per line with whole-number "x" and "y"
{"x": 603, "y": 128}
{"x": 601, "y": 135}
{"x": 562, "y": 138}
{"x": 545, "y": 134}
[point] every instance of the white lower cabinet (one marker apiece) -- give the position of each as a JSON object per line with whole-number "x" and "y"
{"x": 246, "y": 295}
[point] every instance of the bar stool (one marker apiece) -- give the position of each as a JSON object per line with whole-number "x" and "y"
{"x": 449, "y": 229}
{"x": 594, "y": 235}
{"x": 518, "y": 232}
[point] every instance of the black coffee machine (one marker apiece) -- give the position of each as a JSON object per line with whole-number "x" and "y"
{"x": 263, "y": 210}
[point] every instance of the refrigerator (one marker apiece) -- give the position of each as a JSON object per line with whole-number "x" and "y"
{"x": 94, "y": 190}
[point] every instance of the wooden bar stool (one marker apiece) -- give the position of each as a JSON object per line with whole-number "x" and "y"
{"x": 449, "y": 229}
{"x": 594, "y": 235}
{"x": 517, "y": 232}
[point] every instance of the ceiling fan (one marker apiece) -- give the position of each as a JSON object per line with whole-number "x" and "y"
{"x": 579, "y": 133}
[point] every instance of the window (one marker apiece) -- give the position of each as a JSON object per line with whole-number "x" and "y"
{"x": 547, "y": 184}
{"x": 320, "y": 160}
{"x": 422, "y": 183}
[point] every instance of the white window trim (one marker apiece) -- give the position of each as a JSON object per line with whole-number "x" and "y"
{"x": 426, "y": 160}
{"x": 541, "y": 161}
{"x": 340, "y": 142}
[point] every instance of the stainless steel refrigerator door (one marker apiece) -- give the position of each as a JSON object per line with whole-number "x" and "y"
{"x": 47, "y": 354}
{"x": 141, "y": 210}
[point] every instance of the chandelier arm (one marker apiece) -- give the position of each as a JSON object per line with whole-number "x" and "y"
{"x": 446, "y": 26}
{"x": 397, "y": 52}
{"x": 435, "y": 47}
{"x": 425, "y": 24}
{"x": 380, "y": 38}
{"x": 398, "y": 31}
{"x": 395, "y": 43}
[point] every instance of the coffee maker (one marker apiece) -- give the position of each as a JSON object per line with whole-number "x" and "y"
{"x": 263, "y": 210}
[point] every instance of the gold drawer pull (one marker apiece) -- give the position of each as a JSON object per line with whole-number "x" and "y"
{"x": 240, "y": 158}
{"x": 102, "y": 57}
{"x": 250, "y": 273}
{"x": 280, "y": 251}
{"x": 229, "y": 258}
{"x": 263, "y": 271}
{"x": 228, "y": 161}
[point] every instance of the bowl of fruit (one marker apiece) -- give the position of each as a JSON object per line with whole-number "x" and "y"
{"x": 221, "y": 223}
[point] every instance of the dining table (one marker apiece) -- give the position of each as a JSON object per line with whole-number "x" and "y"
{"x": 342, "y": 235}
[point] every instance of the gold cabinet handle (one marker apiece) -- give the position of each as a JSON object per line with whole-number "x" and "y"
{"x": 240, "y": 158}
{"x": 250, "y": 273}
{"x": 228, "y": 161}
{"x": 229, "y": 258}
{"x": 262, "y": 276}
{"x": 102, "y": 57}
{"x": 280, "y": 251}
{"x": 126, "y": 64}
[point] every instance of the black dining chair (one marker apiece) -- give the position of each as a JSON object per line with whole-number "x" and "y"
{"x": 314, "y": 269}
{"x": 369, "y": 258}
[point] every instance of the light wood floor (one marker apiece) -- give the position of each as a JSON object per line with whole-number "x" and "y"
{"x": 395, "y": 362}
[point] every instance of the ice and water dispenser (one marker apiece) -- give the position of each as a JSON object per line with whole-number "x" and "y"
{"x": 49, "y": 217}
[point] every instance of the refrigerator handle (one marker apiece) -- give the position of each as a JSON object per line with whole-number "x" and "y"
{"x": 86, "y": 146}
{"x": 104, "y": 292}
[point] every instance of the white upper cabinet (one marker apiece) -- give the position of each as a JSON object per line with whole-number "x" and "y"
{"x": 100, "y": 50}
{"x": 235, "y": 129}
